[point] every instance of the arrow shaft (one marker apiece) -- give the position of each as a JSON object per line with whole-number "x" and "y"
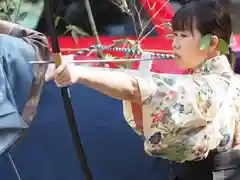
{"x": 99, "y": 60}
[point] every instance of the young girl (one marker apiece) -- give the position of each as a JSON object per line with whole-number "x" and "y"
{"x": 194, "y": 121}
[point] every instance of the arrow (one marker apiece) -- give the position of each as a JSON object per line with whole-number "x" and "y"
{"x": 99, "y": 61}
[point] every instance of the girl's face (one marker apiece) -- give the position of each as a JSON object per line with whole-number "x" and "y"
{"x": 186, "y": 48}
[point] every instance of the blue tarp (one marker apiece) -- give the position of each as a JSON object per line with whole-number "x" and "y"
{"x": 113, "y": 150}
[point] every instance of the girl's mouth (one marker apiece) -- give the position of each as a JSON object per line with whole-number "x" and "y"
{"x": 177, "y": 56}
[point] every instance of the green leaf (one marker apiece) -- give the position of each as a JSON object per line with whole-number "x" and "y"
{"x": 233, "y": 58}
{"x": 75, "y": 36}
{"x": 109, "y": 56}
{"x": 58, "y": 18}
{"x": 10, "y": 11}
{"x": 167, "y": 25}
{"x": 119, "y": 41}
{"x": 223, "y": 46}
{"x": 129, "y": 65}
{"x": 65, "y": 33}
{"x": 23, "y": 15}
{"x": 135, "y": 47}
{"x": 122, "y": 66}
{"x": 205, "y": 41}
{"x": 126, "y": 65}
{"x": 68, "y": 29}
{"x": 76, "y": 29}
{"x": 131, "y": 42}
{"x": 80, "y": 31}
{"x": 169, "y": 36}
{"x": 153, "y": 7}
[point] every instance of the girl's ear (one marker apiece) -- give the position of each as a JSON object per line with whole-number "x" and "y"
{"x": 214, "y": 43}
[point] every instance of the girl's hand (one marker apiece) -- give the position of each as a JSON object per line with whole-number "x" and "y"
{"x": 118, "y": 85}
{"x": 64, "y": 75}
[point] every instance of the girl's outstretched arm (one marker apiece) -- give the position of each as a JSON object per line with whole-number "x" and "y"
{"x": 118, "y": 85}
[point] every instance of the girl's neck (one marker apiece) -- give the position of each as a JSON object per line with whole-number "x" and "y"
{"x": 209, "y": 56}
{"x": 212, "y": 55}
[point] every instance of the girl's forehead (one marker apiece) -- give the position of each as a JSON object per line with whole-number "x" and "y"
{"x": 192, "y": 32}
{"x": 182, "y": 31}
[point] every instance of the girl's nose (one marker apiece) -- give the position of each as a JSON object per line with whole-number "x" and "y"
{"x": 175, "y": 46}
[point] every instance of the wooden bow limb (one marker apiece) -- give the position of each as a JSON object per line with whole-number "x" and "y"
{"x": 66, "y": 95}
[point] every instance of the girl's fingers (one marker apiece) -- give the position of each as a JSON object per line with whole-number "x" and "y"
{"x": 61, "y": 78}
{"x": 64, "y": 84}
{"x": 56, "y": 72}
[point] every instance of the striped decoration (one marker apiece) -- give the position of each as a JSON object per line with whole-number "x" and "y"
{"x": 127, "y": 50}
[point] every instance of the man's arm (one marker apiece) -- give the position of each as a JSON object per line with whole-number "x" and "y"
{"x": 6, "y": 27}
{"x": 39, "y": 42}
{"x": 36, "y": 39}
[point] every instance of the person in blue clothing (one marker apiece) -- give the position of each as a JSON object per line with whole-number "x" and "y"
{"x": 194, "y": 121}
{"x": 20, "y": 82}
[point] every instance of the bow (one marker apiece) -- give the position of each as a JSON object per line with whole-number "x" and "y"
{"x": 65, "y": 92}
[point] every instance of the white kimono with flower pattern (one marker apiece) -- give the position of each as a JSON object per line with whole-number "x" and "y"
{"x": 184, "y": 119}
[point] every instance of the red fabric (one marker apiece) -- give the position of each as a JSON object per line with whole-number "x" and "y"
{"x": 160, "y": 11}
{"x": 157, "y": 44}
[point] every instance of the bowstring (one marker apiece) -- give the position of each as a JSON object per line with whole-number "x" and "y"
{"x": 14, "y": 166}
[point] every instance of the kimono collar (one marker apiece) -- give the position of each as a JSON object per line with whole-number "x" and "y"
{"x": 216, "y": 65}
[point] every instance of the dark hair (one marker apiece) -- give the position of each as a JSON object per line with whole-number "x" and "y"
{"x": 209, "y": 17}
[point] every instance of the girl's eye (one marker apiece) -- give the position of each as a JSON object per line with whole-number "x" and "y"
{"x": 183, "y": 35}
{"x": 180, "y": 35}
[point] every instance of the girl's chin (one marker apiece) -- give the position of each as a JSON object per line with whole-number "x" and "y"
{"x": 180, "y": 64}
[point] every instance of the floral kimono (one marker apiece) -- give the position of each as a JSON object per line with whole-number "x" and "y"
{"x": 183, "y": 118}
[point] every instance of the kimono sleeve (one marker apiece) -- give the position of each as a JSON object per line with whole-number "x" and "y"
{"x": 186, "y": 102}
{"x": 133, "y": 111}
